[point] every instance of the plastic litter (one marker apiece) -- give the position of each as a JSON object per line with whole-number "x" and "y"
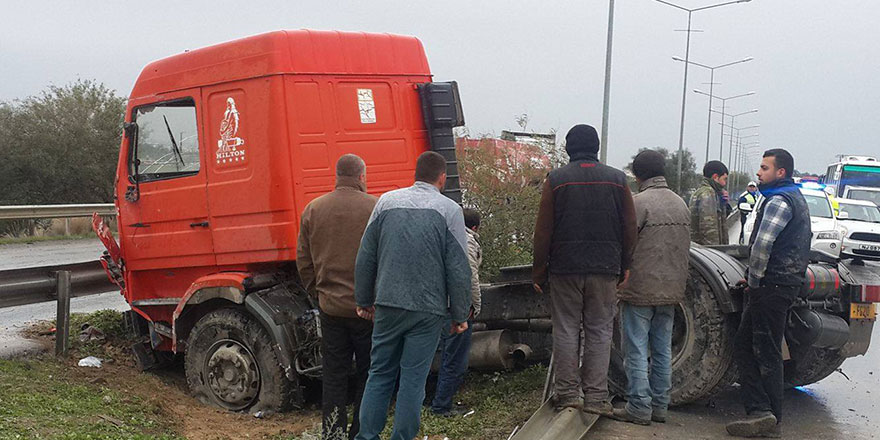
{"x": 90, "y": 361}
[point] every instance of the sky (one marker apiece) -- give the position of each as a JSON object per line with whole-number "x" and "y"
{"x": 814, "y": 73}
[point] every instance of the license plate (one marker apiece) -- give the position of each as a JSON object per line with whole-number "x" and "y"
{"x": 869, "y": 247}
{"x": 862, "y": 311}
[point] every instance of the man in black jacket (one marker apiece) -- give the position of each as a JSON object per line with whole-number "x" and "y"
{"x": 778, "y": 255}
{"x": 584, "y": 238}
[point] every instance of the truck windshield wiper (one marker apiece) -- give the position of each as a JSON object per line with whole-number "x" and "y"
{"x": 173, "y": 142}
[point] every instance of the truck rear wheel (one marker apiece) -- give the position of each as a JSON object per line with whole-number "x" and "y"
{"x": 811, "y": 366}
{"x": 702, "y": 347}
{"x": 230, "y": 363}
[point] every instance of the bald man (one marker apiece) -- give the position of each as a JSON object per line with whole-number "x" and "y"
{"x": 329, "y": 236}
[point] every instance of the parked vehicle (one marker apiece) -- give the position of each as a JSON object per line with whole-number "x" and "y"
{"x": 827, "y": 231}
{"x": 860, "y": 220}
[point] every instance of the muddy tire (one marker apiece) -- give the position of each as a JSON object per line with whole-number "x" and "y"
{"x": 702, "y": 347}
{"x": 230, "y": 363}
{"x": 811, "y": 366}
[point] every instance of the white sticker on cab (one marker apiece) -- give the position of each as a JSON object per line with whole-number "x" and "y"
{"x": 366, "y": 106}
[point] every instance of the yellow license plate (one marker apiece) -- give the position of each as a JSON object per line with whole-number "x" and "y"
{"x": 862, "y": 311}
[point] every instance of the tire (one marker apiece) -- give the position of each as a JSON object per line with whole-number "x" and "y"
{"x": 702, "y": 347}
{"x": 811, "y": 366}
{"x": 230, "y": 363}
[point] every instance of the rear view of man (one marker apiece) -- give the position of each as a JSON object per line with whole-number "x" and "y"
{"x": 656, "y": 284}
{"x": 584, "y": 238}
{"x": 412, "y": 276}
{"x": 778, "y": 257}
{"x": 708, "y": 212}
{"x": 329, "y": 236}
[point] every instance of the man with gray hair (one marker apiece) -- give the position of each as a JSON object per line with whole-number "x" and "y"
{"x": 329, "y": 236}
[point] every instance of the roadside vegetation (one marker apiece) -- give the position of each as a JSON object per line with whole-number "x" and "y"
{"x": 47, "y": 398}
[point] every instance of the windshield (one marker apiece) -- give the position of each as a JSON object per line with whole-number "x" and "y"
{"x": 819, "y": 206}
{"x": 860, "y": 212}
{"x": 864, "y": 194}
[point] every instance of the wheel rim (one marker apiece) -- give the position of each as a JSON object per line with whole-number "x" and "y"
{"x": 232, "y": 374}
{"x": 682, "y": 327}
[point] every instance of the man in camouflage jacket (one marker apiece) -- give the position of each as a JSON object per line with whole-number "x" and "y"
{"x": 708, "y": 213}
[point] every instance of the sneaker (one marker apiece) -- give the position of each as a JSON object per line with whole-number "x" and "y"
{"x": 621, "y": 414}
{"x": 601, "y": 408}
{"x": 758, "y": 424}
{"x": 560, "y": 403}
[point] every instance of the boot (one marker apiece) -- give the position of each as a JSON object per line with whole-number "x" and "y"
{"x": 757, "y": 424}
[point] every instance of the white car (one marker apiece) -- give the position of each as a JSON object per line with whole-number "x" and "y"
{"x": 827, "y": 232}
{"x": 860, "y": 220}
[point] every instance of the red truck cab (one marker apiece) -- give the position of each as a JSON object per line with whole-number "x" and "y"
{"x": 224, "y": 146}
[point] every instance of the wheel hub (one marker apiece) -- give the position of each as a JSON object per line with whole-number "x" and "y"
{"x": 233, "y": 375}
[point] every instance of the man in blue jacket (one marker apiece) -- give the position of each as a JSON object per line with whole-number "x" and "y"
{"x": 411, "y": 275}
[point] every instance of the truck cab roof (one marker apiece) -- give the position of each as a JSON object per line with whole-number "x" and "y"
{"x": 285, "y": 51}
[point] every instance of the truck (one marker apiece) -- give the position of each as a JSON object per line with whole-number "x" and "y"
{"x": 224, "y": 146}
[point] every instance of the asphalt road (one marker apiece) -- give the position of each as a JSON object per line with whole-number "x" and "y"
{"x": 14, "y": 319}
{"x": 842, "y": 406}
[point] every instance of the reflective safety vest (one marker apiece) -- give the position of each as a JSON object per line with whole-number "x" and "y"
{"x": 749, "y": 204}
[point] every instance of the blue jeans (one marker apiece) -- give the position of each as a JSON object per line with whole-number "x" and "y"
{"x": 454, "y": 351}
{"x": 647, "y": 334}
{"x": 404, "y": 343}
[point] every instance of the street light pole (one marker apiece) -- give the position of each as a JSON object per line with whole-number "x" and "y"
{"x": 711, "y": 91}
{"x": 603, "y": 153}
{"x": 687, "y": 53}
{"x": 723, "y": 107}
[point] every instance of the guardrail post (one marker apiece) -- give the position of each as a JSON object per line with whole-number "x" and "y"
{"x": 62, "y": 319}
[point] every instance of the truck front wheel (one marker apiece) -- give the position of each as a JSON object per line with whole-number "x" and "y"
{"x": 230, "y": 363}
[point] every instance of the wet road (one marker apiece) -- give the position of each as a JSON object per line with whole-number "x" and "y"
{"x": 834, "y": 408}
{"x": 14, "y": 319}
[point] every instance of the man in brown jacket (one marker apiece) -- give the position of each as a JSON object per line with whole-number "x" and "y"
{"x": 656, "y": 284}
{"x": 584, "y": 237}
{"x": 329, "y": 237}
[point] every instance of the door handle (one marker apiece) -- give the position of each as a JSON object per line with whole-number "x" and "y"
{"x": 199, "y": 225}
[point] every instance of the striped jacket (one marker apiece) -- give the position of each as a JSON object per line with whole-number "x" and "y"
{"x": 413, "y": 254}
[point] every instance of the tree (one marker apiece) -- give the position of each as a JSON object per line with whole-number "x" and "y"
{"x": 691, "y": 179}
{"x": 61, "y": 146}
{"x": 505, "y": 190}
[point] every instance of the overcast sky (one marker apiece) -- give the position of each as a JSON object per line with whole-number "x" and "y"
{"x": 815, "y": 71}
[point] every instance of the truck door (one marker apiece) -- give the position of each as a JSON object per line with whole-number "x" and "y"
{"x": 167, "y": 225}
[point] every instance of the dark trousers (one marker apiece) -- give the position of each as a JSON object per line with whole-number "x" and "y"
{"x": 454, "y": 351}
{"x": 342, "y": 338}
{"x": 742, "y": 226}
{"x": 758, "y": 347}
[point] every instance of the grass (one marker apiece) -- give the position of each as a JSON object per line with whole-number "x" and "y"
{"x": 108, "y": 321}
{"x": 39, "y": 401}
{"x": 19, "y": 240}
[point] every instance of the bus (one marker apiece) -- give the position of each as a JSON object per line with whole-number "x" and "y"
{"x": 855, "y": 177}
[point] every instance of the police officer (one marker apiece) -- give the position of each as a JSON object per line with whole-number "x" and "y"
{"x": 746, "y": 205}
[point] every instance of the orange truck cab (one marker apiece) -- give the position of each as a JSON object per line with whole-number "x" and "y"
{"x": 223, "y": 147}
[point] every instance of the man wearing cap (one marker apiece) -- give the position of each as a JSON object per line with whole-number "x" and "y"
{"x": 746, "y": 205}
{"x": 584, "y": 239}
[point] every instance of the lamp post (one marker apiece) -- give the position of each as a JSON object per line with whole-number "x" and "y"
{"x": 711, "y": 89}
{"x": 603, "y": 152}
{"x": 723, "y": 106}
{"x": 687, "y": 54}
{"x": 732, "y": 121}
{"x": 738, "y": 130}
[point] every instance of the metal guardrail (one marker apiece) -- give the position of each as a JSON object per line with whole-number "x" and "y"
{"x": 12, "y": 212}
{"x": 39, "y": 284}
